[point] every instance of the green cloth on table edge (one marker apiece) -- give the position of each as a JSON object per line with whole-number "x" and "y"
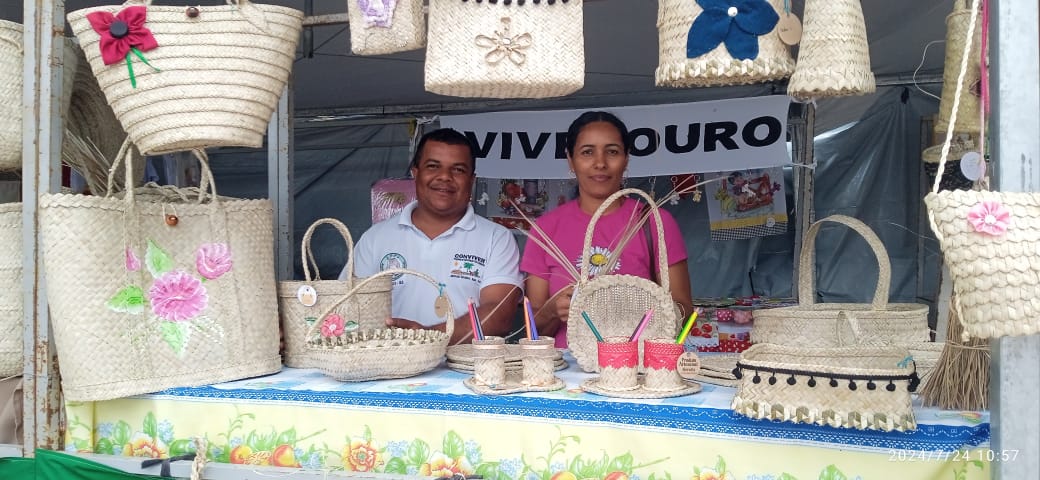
{"x": 51, "y": 465}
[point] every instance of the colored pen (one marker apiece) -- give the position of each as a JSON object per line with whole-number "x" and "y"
{"x": 686, "y": 328}
{"x": 642, "y": 325}
{"x": 592, "y": 327}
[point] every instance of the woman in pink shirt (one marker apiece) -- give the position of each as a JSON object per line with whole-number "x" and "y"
{"x": 597, "y": 153}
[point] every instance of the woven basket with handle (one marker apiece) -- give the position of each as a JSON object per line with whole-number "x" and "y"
{"x": 839, "y": 324}
{"x": 863, "y": 388}
{"x": 214, "y": 79}
{"x": 368, "y": 309}
{"x": 363, "y": 355}
{"x": 617, "y": 303}
{"x": 404, "y": 27}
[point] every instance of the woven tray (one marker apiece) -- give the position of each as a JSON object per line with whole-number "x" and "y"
{"x": 379, "y": 354}
{"x": 512, "y": 384}
{"x": 592, "y": 386}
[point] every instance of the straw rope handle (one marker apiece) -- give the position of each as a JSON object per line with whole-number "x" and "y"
{"x": 307, "y": 255}
{"x": 125, "y": 155}
{"x": 449, "y": 323}
{"x": 807, "y": 261}
{"x": 662, "y": 254}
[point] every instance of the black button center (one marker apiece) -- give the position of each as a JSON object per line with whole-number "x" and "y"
{"x": 118, "y": 29}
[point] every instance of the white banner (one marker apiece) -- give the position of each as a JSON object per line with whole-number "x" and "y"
{"x": 723, "y": 135}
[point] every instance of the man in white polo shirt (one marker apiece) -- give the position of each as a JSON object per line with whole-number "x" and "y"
{"x": 440, "y": 235}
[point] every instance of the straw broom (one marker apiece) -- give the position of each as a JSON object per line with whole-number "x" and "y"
{"x": 960, "y": 380}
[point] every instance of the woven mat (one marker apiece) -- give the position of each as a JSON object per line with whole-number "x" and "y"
{"x": 592, "y": 386}
{"x": 463, "y": 353}
{"x": 512, "y": 384}
{"x": 561, "y": 364}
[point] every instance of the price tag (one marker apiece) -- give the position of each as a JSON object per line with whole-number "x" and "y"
{"x": 688, "y": 365}
{"x": 973, "y": 167}
{"x": 306, "y": 295}
{"x": 789, "y": 28}
{"x": 440, "y": 306}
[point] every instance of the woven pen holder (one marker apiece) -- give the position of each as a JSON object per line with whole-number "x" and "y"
{"x": 618, "y": 363}
{"x": 660, "y": 356}
{"x": 489, "y": 361}
{"x": 539, "y": 361}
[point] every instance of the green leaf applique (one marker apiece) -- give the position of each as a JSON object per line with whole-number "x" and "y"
{"x": 128, "y": 300}
{"x": 176, "y": 335}
{"x": 157, "y": 260}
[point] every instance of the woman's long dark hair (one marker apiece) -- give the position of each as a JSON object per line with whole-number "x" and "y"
{"x": 596, "y": 116}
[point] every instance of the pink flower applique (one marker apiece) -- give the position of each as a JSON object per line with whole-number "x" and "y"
{"x": 989, "y": 217}
{"x": 133, "y": 263}
{"x": 213, "y": 260}
{"x": 332, "y": 326}
{"x": 177, "y": 296}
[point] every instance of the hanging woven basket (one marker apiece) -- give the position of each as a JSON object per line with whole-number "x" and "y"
{"x": 956, "y": 37}
{"x": 834, "y": 56}
{"x": 398, "y": 26}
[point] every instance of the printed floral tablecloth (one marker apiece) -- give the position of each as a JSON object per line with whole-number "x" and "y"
{"x": 432, "y": 425}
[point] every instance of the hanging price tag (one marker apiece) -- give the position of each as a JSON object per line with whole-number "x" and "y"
{"x": 306, "y": 295}
{"x": 973, "y": 167}
{"x": 440, "y": 306}
{"x": 789, "y": 29}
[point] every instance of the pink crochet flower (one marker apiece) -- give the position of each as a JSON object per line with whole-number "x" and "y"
{"x": 133, "y": 263}
{"x": 332, "y": 326}
{"x": 177, "y": 296}
{"x": 989, "y": 217}
{"x": 213, "y": 260}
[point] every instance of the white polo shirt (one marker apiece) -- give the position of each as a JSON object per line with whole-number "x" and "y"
{"x": 472, "y": 254}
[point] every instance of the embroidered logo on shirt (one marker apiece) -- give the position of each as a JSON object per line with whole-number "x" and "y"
{"x": 598, "y": 259}
{"x": 467, "y": 267}
{"x": 393, "y": 260}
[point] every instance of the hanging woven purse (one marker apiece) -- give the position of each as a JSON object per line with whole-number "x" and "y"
{"x": 619, "y": 302}
{"x": 164, "y": 287}
{"x": 533, "y": 49}
{"x": 180, "y": 78}
{"x": 693, "y": 50}
{"x": 300, "y": 302}
{"x": 379, "y": 27}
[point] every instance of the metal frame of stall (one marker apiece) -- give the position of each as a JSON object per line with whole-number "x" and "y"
{"x": 1015, "y": 380}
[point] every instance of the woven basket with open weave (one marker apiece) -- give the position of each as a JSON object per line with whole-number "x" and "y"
{"x": 364, "y": 355}
{"x": 839, "y": 324}
{"x": 368, "y": 309}
{"x": 618, "y": 302}
{"x": 864, "y": 388}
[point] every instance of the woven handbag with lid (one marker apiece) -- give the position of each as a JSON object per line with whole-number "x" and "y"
{"x": 213, "y": 75}
{"x": 164, "y": 287}
{"x": 362, "y": 355}
{"x": 10, "y": 289}
{"x": 675, "y": 18}
{"x": 861, "y": 387}
{"x": 379, "y": 27}
{"x": 839, "y": 324}
{"x": 505, "y": 49}
{"x": 299, "y": 306}
{"x": 618, "y": 302}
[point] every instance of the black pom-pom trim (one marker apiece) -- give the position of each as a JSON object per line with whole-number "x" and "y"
{"x": 890, "y": 387}
{"x": 756, "y": 379}
{"x": 871, "y": 385}
{"x": 834, "y": 383}
{"x": 852, "y": 385}
{"x": 812, "y": 382}
{"x": 772, "y": 380}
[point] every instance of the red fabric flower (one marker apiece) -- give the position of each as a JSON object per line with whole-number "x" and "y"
{"x": 114, "y": 50}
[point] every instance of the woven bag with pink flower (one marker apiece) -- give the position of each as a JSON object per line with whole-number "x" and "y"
{"x": 158, "y": 287}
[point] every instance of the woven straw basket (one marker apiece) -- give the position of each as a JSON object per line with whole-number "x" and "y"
{"x": 956, "y": 39}
{"x": 834, "y": 56}
{"x": 505, "y": 50}
{"x": 216, "y": 79}
{"x": 406, "y": 29}
{"x": 367, "y": 309}
{"x": 863, "y": 388}
{"x": 617, "y": 303}
{"x": 165, "y": 287}
{"x": 717, "y": 67}
{"x": 364, "y": 355}
{"x": 840, "y": 324}
{"x": 10, "y": 289}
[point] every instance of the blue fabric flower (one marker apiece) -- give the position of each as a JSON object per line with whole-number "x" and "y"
{"x": 737, "y": 23}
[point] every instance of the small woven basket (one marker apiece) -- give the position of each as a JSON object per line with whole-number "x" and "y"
{"x": 505, "y": 50}
{"x": 218, "y": 73}
{"x": 953, "y": 178}
{"x": 378, "y": 354}
{"x": 618, "y": 302}
{"x": 10, "y": 289}
{"x": 834, "y": 56}
{"x": 367, "y": 309}
{"x": 957, "y": 24}
{"x": 717, "y": 67}
{"x": 404, "y": 30}
{"x": 839, "y": 324}
{"x": 862, "y": 388}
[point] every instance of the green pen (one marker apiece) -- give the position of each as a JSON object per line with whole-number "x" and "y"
{"x": 591, "y": 326}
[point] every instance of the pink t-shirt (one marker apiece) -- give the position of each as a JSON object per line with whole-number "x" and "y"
{"x": 566, "y": 226}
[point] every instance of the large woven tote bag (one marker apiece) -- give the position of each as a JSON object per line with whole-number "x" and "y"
{"x": 164, "y": 287}
{"x": 379, "y": 27}
{"x": 617, "y": 303}
{"x": 505, "y": 49}
{"x": 811, "y": 324}
{"x": 10, "y": 289}
{"x": 180, "y": 78}
{"x": 301, "y": 302}
{"x": 676, "y": 68}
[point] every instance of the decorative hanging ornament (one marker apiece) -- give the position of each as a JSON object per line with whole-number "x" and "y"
{"x": 123, "y": 34}
{"x": 737, "y": 23}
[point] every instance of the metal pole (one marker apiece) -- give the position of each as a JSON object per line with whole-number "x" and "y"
{"x": 1014, "y": 376}
{"x": 804, "y": 176}
{"x": 280, "y": 182}
{"x": 44, "y": 22}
